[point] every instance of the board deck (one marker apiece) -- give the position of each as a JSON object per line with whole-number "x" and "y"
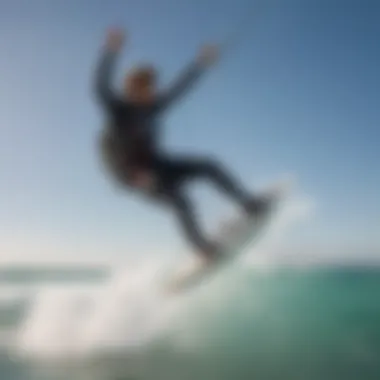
{"x": 238, "y": 235}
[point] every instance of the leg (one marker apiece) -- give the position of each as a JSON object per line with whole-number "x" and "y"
{"x": 219, "y": 176}
{"x": 192, "y": 168}
{"x": 224, "y": 180}
{"x": 187, "y": 218}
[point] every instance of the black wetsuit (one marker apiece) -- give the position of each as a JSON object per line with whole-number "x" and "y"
{"x": 133, "y": 137}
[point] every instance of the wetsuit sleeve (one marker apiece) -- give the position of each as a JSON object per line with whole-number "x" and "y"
{"x": 183, "y": 84}
{"x": 103, "y": 79}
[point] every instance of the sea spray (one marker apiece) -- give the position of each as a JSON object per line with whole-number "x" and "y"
{"x": 132, "y": 309}
{"x": 126, "y": 313}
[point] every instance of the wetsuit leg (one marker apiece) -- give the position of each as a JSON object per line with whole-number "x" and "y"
{"x": 180, "y": 169}
{"x": 186, "y": 215}
{"x": 171, "y": 175}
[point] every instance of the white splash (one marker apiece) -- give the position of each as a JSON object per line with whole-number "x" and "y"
{"x": 132, "y": 309}
{"x": 294, "y": 209}
{"x": 125, "y": 313}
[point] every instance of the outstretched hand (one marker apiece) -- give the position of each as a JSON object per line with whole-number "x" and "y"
{"x": 115, "y": 39}
{"x": 209, "y": 55}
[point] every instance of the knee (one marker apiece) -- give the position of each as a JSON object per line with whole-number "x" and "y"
{"x": 179, "y": 202}
{"x": 211, "y": 166}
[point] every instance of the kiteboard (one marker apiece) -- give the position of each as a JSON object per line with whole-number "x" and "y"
{"x": 234, "y": 237}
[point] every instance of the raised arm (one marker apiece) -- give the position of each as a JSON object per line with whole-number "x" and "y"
{"x": 189, "y": 77}
{"x": 105, "y": 69}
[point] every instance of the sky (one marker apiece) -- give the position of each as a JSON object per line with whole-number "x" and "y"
{"x": 297, "y": 93}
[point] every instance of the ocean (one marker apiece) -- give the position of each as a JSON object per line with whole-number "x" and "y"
{"x": 314, "y": 323}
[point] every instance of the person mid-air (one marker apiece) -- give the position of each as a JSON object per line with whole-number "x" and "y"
{"x": 130, "y": 142}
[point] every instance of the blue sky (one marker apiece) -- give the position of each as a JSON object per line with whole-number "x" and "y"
{"x": 298, "y": 94}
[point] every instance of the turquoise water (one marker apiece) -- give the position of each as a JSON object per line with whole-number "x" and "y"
{"x": 285, "y": 324}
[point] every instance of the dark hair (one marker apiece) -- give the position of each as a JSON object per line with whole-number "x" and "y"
{"x": 144, "y": 74}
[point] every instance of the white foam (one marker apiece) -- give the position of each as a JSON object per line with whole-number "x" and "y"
{"x": 12, "y": 294}
{"x": 131, "y": 310}
{"x": 125, "y": 313}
